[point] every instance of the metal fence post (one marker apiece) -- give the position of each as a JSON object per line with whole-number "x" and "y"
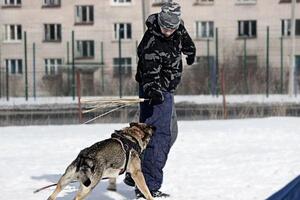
{"x": 102, "y": 67}
{"x": 1, "y": 85}
{"x": 120, "y": 64}
{"x": 79, "y": 95}
{"x": 68, "y": 68}
{"x": 7, "y": 83}
{"x": 33, "y": 65}
{"x": 73, "y": 65}
{"x": 209, "y": 70}
{"x": 0, "y": 80}
{"x": 267, "y": 62}
{"x": 281, "y": 65}
{"x": 25, "y": 62}
{"x": 217, "y": 63}
{"x": 245, "y": 69}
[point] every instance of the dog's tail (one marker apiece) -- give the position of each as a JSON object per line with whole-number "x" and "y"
{"x": 85, "y": 168}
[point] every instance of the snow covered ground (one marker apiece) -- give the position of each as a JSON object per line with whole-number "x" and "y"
{"x": 212, "y": 160}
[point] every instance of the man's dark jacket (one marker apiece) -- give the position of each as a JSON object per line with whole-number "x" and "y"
{"x": 160, "y": 59}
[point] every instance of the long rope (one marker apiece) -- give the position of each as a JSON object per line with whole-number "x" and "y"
{"x": 116, "y": 102}
{"x": 110, "y": 111}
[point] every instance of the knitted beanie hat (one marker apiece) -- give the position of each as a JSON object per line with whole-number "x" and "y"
{"x": 169, "y": 17}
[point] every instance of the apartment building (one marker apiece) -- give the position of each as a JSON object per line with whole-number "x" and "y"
{"x": 97, "y": 26}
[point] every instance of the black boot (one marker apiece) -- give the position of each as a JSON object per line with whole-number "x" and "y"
{"x": 158, "y": 193}
{"x": 128, "y": 180}
{"x": 155, "y": 193}
{"x": 138, "y": 194}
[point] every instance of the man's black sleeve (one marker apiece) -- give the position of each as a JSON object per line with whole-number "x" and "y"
{"x": 188, "y": 46}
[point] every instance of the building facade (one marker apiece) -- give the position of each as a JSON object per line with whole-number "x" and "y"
{"x": 62, "y": 34}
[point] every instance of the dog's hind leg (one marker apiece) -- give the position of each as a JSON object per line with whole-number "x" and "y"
{"x": 85, "y": 191}
{"x": 68, "y": 176}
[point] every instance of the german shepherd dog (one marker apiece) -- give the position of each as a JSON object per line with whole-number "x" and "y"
{"x": 106, "y": 159}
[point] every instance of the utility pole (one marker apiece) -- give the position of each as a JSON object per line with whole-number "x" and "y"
{"x": 293, "y": 46}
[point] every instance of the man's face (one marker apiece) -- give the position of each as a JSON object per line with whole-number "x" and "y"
{"x": 167, "y": 32}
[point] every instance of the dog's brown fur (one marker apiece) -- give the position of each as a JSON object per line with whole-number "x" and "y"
{"x": 106, "y": 159}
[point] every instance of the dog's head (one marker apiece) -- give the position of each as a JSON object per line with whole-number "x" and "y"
{"x": 144, "y": 132}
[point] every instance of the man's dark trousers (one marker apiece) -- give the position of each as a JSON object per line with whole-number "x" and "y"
{"x": 163, "y": 117}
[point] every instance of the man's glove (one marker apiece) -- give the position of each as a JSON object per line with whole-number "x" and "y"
{"x": 156, "y": 97}
{"x": 190, "y": 60}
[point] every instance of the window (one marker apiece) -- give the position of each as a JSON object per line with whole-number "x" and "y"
{"x": 52, "y": 32}
{"x": 122, "y": 30}
{"x": 297, "y": 27}
{"x": 246, "y": 1}
{"x": 247, "y": 28}
{"x": 121, "y": 1}
{"x": 85, "y": 48}
{"x": 14, "y": 66}
{"x": 13, "y": 32}
{"x": 126, "y": 66}
{"x": 52, "y": 65}
{"x": 286, "y": 27}
{"x": 51, "y": 3}
{"x": 204, "y": 29}
{"x": 12, "y": 2}
{"x": 84, "y": 15}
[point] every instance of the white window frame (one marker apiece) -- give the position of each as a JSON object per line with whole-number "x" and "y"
{"x": 208, "y": 28}
{"x": 126, "y": 66}
{"x": 18, "y": 66}
{"x": 15, "y": 3}
{"x": 90, "y": 46}
{"x": 17, "y": 32}
{"x": 79, "y": 14}
{"x": 52, "y": 65}
{"x": 51, "y": 2}
{"x": 57, "y": 32}
{"x": 241, "y": 29}
{"x": 286, "y": 27}
{"x": 126, "y": 26}
{"x": 246, "y": 2}
{"x": 121, "y": 2}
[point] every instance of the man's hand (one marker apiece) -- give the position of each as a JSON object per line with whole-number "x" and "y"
{"x": 190, "y": 60}
{"x": 156, "y": 97}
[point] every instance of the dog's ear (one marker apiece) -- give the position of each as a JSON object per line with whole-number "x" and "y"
{"x": 134, "y": 124}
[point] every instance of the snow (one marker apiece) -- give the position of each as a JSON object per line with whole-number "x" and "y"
{"x": 199, "y": 99}
{"x": 213, "y": 160}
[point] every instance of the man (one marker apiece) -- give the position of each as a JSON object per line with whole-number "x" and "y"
{"x": 158, "y": 74}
